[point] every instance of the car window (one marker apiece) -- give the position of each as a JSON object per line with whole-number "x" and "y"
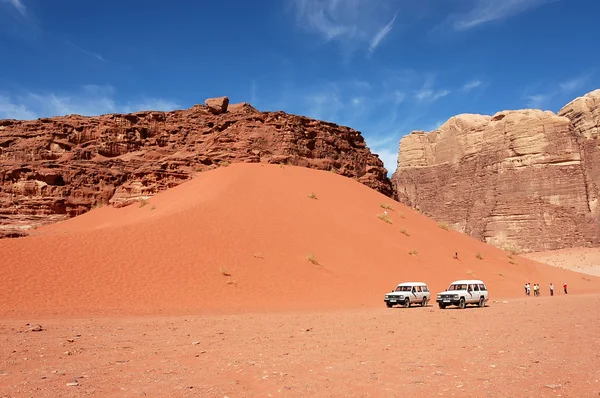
{"x": 482, "y": 287}
{"x": 476, "y": 287}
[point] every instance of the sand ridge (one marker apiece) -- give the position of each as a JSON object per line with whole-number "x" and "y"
{"x": 237, "y": 239}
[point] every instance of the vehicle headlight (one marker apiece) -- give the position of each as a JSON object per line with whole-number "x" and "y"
{"x": 456, "y": 296}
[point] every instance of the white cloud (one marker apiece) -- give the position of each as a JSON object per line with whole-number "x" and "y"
{"x": 383, "y": 32}
{"x": 431, "y": 95}
{"x": 472, "y": 84}
{"x": 563, "y": 90}
{"x": 573, "y": 84}
{"x": 324, "y": 105}
{"x": 350, "y": 22}
{"x": 485, "y": 11}
{"x": 18, "y": 5}
{"x": 90, "y": 100}
{"x": 537, "y": 101}
{"x": 10, "y": 110}
{"x": 389, "y": 156}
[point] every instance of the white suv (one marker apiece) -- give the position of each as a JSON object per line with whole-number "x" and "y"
{"x": 463, "y": 292}
{"x": 408, "y": 293}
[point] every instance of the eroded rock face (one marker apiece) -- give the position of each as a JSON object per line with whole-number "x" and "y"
{"x": 525, "y": 180}
{"x": 56, "y": 168}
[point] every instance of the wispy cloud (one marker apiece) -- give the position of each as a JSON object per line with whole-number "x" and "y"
{"x": 485, "y": 11}
{"x": 574, "y": 84}
{"x": 383, "y": 32}
{"x": 90, "y": 100}
{"x": 18, "y": 5}
{"x": 431, "y": 95}
{"x": 472, "y": 85}
{"x": 537, "y": 101}
{"x": 542, "y": 99}
{"x": 86, "y": 52}
{"x": 352, "y": 23}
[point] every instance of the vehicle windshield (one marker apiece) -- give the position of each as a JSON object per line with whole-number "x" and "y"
{"x": 403, "y": 289}
{"x": 457, "y": 286}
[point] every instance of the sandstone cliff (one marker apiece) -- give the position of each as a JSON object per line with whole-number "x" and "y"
{"x": 55, "y": 168}
{"x": 526, "y": 180}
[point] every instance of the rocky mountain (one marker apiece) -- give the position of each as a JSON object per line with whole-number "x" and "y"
{"x": 55, "y": 168}
{"x": 527, "y": 180}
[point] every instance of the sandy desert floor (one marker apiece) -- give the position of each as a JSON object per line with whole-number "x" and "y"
{"x": 524, "y": 347}
{"x": 584, "y": 260}
{"x": 261, "y": 280}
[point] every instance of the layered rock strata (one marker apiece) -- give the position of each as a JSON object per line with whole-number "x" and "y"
{"x": 55, "y": 168}
{"x": 526, "y": 180}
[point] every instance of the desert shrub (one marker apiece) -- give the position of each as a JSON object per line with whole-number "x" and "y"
{"x": 311, "y": 257}
{"x": 224, "y": 271}
{"x": 404, "y": 231}
{"x": 385, "y": 218}
{"x": 443, "y": 226}
{"x": 386, "y": 206}
{"x": 479, "y": 256}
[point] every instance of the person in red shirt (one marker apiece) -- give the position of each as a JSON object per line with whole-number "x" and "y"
{"x": 565, "y": 287}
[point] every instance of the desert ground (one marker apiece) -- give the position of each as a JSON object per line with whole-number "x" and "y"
{"x": 585, "y": 260}
{"x": 527, "y": 347}
{"x": 267, "y": 280}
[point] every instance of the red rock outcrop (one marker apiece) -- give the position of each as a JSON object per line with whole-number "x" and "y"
{"x": 55, "y": 168}
{"x": 526, "y": 180}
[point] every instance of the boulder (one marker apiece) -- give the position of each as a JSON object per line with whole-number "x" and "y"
{"x": 217, "y": 105}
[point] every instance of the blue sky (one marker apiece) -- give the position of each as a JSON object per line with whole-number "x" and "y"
{"x": 384, "y": 67}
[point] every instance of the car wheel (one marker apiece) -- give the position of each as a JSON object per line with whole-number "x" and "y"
{"x": 407, "y": 302}
{"x": 481, "y": 302}
{"x": 462, "y": 304}
{"x": 389, "y": 305}
{"x": 442, "y": 306}
{"x": 424, "y": 302}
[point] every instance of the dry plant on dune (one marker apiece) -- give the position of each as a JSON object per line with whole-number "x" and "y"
{"x": 224, "y": 163}
{"x": 386, "y": 206}
{"x": 443, "y": 226}
{"x": 479, "y": 256}
{"x": 413, "y": 253}
{"x": 143, "y": 202}
{"x": 257, "y": 255}
{"x": 312, "y": 195}
{"x": 225, "y": 271}
{"x": 404, "y": 231}
{"x": 400, "y": 214}
{"x": 311, "y": 257}
{"x": 385, "y": 218}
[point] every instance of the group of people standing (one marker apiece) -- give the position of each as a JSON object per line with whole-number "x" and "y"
{"x": 536, "y": 289}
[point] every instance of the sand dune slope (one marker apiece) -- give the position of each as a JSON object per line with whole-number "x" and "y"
{"x": 258, "y": 224}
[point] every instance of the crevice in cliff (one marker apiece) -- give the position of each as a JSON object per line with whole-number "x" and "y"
{"x": 582, "y": 167}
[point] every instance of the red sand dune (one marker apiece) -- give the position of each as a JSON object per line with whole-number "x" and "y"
{"x": 259, "y": 223}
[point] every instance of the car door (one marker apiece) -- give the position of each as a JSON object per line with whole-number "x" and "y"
{"x": 476, "y": 293}
{"x": 418, "y": 295}
{"x": 426, "y": 292}
{"x": 470, "y": 294}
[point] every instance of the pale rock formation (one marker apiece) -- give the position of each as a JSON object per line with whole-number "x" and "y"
{"x": 526, "y": 180}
